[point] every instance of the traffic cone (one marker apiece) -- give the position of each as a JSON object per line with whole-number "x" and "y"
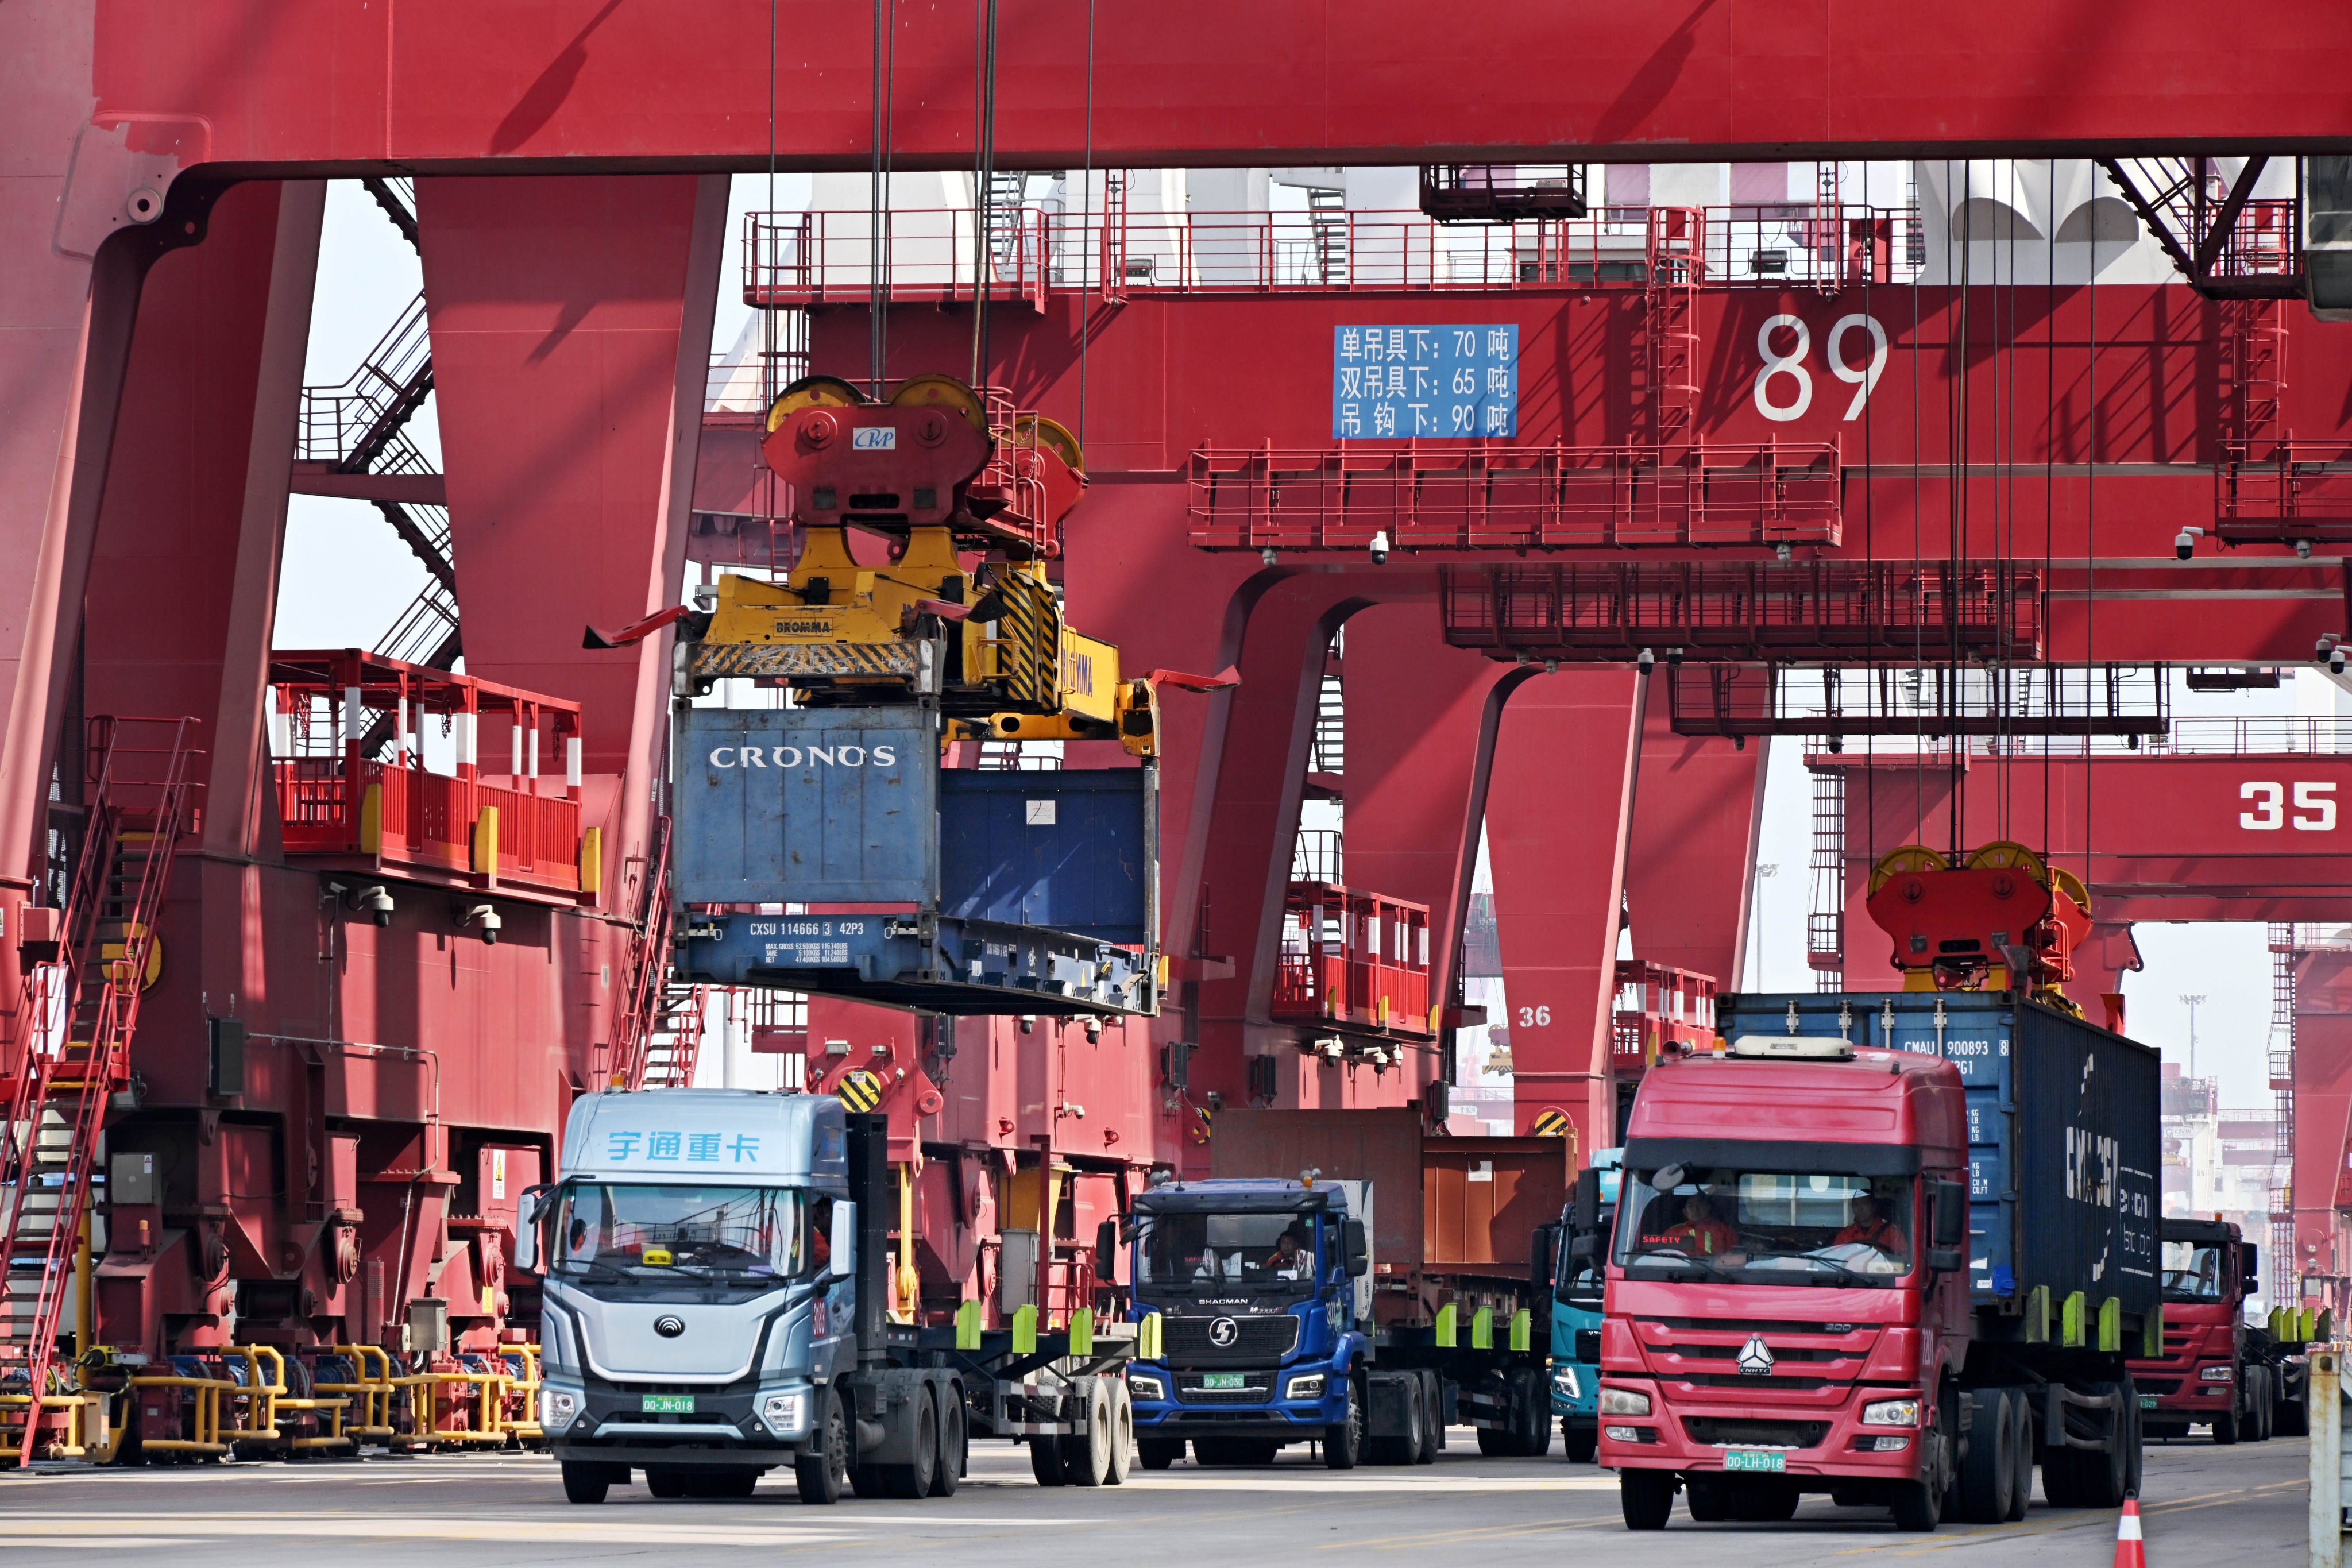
{"x": 2129, "y": 1552}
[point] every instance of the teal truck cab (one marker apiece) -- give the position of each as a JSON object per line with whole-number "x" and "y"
{"x": 1576, "y": 1317}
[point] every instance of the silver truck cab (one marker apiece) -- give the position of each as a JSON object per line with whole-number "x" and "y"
{"x": 699, "y": 1248}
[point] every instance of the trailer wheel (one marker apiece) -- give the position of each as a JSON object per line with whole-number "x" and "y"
{"x": 913, "y": 1479}
{"x": 1046, "y": 1461}
{"x": 1531, "y": 1412}
{"x": 1086, "y": 1456}
{"x": 955, "y": 1444}
{"x": 823, "y": 1472}
{"x": 2103, "y": 1474}
{"x": 2294, "y": 1410}
{"x": 1646, "y": 1497}
{"x": 1122, "y": 1434}
{"x": 1433, "y": 1421}
{"x": 586, "y": 1482}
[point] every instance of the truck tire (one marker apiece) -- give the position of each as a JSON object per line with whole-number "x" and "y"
{"x": 1531, "y": 1403}
{"x": 1918, "y": 1506}
{"x": 2294, "y": 1410}
{"x": 1046, "y": 1461}
{"x": 1580, "y": 1443}
{"x": 822, "y": 1469}
{"x": 1646, "y": 1498}
{"x": 955, "y": 1447}
{"x": 2265, "y": 1404}
{"x": 731, "y": 1483}
{"x": 2225, "y": 1424}
{"x": 1343, "y": 1440}
{"x": 1708, "y": 1497}
{"x": 1122, "y": 1434}
{"x": 1159, "y": 1453}
{"x": 666, "y": 1481}
{"x": 1989, "y": 1474}
{"x": 1432, "y": 1417}
{"x": 2104, "y": 1474}
{"x": 2021, "y": 1496}
{"x": 1086, "y": 1456}
{"x": 586, "y": 1482}
{"x": 913, "y": 1479}
{"x": 1765, "y": 1502}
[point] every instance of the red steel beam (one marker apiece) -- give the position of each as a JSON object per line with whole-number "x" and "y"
{"x": 459, "y": 84}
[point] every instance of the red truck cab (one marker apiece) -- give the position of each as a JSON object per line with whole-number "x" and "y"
{"x": 2205, "y": 1376}
{"x": 1786, "y": 1308}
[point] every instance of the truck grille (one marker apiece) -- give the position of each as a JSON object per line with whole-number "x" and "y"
{"x": 2159, "y": 1386}
{"x": 1188, "y": 1340}
{"x": 1189, "y": 1392}
{"x": 1720, "y": 1432}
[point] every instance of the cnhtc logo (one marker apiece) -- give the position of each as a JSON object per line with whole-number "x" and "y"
{"x": 797, "y": 756}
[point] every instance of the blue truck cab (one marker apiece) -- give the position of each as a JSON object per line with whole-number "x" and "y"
{"x": 1264, "y": 1296}
{"x": 1575, "y": 1317}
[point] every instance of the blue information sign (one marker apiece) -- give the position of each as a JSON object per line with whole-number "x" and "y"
{"x": 1390, "y": 383}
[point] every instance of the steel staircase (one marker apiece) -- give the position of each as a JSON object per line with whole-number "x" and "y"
{"x": 79, "y": 1012}
{"x": 1326, "y": 212}
{"x": 645, "y": 999}
{"x": 675, "y": 1039}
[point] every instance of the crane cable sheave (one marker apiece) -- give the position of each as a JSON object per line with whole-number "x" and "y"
{"x": 2003, "y": 918}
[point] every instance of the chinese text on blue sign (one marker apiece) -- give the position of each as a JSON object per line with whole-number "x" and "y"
{"x": 1390, "y": 383}
{"x": 622, "y": 1147}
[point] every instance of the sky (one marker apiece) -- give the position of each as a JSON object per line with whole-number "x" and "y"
{"x": 347, "y": 578}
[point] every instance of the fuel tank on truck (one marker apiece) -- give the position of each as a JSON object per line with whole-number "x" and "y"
{"x": 2063, "y": 1129}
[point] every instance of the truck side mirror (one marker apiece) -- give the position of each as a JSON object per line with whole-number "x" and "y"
{"x": 1587, "y": 1199}
{"x": 1541, "y": 1247}
{"x": 1951, "y": 1214}
{"x": 530, "y": 1209}
{"x": 1107, "y": 1252}
{"x": 844, "y": 1239}
{"x": 1357, "y": 1254}
{"x": 2250, "y": 1268}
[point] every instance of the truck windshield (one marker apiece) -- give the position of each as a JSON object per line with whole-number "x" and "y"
{"x": 1765, "y": 1227}
{"x": 643, "y": 1233}
{"x": 1250, "y": 1251}
{"x": 2192, "y": 1271}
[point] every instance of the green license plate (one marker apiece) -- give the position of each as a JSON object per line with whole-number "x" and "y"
{"x": 1221, "y": 1380}
{"x": 1748, "y": 1459}
{"x": 668, "y": 1403}
{"x": 2147, "y": 1402}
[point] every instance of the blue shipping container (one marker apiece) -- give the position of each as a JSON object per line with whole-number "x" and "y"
{"x": 807, "y": 806}
{"x": 2064, "y": 1149}
{"x": 1073, "y": 848}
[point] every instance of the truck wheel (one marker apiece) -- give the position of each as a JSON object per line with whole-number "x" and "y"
{"x": 1647, "y": 1497}
{"x": 1989, "y": 1472}
{"x": 586, "y": 1482}
{"x": 666, "y": 1481}
{"x": 1433, "y": 1419}
{"x": 1159, "y": 1453}
{"x": 822, "y": 1470}
{"x": 1708, "y": 1497}
{"x": 1765, "y": 1502}
{"x": 2265, "y": 1405}
{"x": 2293, "y": 1410}
{"x": 1919, "y": 1505}
{"x": 2020, "y": 1491}
{"x": 955, "y": 1444}
{"x": 2104, "y": 1473}
{"x": 913, "y": 1479}
{"x": 1046, "y": 1461}
{"x": 1122, "y": 1434}
{"x": 1580, "y": 1443}
{"x": 1343, "y": 1440}
{"x": 2225, "y": 1424}
{"x": 1086, "y": 1456}
{"x": 732, "y": 1483}
{"x": 1531, "y": 1403}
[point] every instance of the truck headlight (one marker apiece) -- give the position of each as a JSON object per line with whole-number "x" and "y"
{"x": 785, "y": 1413}
{"x": 1564, "y": 1383}
{"x": 557, "y": 1408}
{"x": 1309, "y": 1385}
{"x": 2213, "y": 1373}
{"x": 1145, "y": 1385}
{"x": 1623, "y": 1402}
{"x": 1891, "y": 1413}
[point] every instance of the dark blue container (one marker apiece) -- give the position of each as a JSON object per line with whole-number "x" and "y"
{"x": 2065, "y": 1149}
{"x": 1073, "y": 849}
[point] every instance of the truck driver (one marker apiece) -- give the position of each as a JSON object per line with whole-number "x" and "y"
{"x": 1700, "y": 1234}
{"x": 1873, "y": 1229}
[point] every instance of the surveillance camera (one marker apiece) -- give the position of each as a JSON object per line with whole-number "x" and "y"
{"x": 1781, "y": 551}
{"x": 376, "y": 904}
{"x": 1094, "y": 1030}
{"x": 1648, "y": 662}
{"x": 2303, "y": 549}
{"x": 2185, "y": 544}
{"x": 1674, "y": 658}
{"x": 1028, "y": 1023}
{"x": 486, "y": 917}
{"x": 1269, "y": 555}
{"x": 1380, "y": 548}
{"x": 2335, "y": 662}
